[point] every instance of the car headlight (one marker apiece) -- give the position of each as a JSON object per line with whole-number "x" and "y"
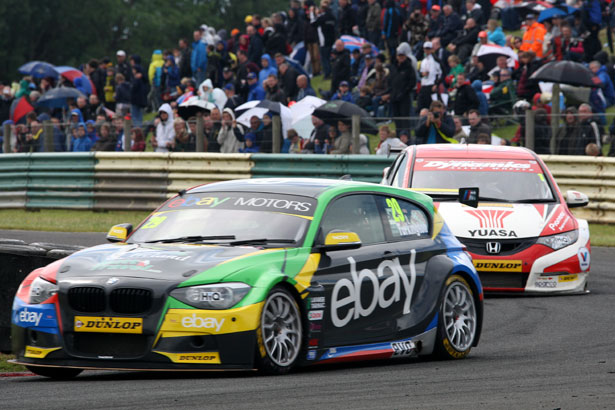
{"x": 560, "y": 240}
{"x": 41, "y": 290}
{"x": 218, "y": 296}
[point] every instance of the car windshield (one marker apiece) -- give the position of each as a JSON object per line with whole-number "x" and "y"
{"x": 501, "y": 179}
{"x": 234, "y": 218}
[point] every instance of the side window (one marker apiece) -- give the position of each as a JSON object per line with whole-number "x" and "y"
{"x": 355, "y": 213}
{"x": 405, "y": 219}
{"x": 398, "y": 178}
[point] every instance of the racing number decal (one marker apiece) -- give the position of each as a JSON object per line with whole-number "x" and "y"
{"x": 398, "y": 215}
{"x": 153, "y": 222}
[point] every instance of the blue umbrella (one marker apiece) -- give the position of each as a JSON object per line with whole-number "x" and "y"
{"x": 39, "y": 69}
{"x": 56, "y": 97}
{"x": 550, "y": 13}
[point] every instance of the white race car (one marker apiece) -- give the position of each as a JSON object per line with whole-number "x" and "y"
{"x": 522, "y": 235}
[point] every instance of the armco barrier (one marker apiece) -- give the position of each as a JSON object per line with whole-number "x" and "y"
{"x": 366, "y": 168}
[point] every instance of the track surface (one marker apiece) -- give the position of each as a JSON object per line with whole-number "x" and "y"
{"x": 535, "y": 353}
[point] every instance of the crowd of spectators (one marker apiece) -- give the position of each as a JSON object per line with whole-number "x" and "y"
{"x": 420, "y": 67}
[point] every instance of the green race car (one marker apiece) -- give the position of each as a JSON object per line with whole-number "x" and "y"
{"x": 256, "y": 274}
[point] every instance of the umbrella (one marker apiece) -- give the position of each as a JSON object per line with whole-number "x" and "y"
{"x": 259, "y": 110}
{"x": 547, "y": 14}
{"x": 332, "y": 111}
{"x": 566, "y": 72}
{"x": 57, "y": 97}
{"x": 193, "y": 106}
{"x": 39, "y": 69}
{"x": 352, "y": 43}
{"x": 19, "y": 108}
{"x": 305, "y": 107}
{"x": 489, "y": 53}
{"x": 247, "y": 105}
{"x": 526, "y": 8}
{"x": 81, "y": 81}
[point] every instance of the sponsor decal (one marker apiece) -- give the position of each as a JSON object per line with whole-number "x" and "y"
{"x": 584, "y": 258}
{"x": 315, "y": 327}
{"x": 567, "y": 278}
{"x": 202, "y": 322}
{"x": 549, "y": 283}
{"x": 559, "y": 222}
{"x": 502, "y": 233}
{"x": 313, "y": 342}
{"x": 405, "y": 348}
{"x": 315, "y": 315}
{"x": 477, "y": 165}
{"x": 385, "y": 293}
{"x": 108, "y": 324}
{"x": 486, "y": 265}
{"x": 196, "y": 358}
{"x": 28, "y": 317}
{"x": 311, "y": 355}
{"x": 135, "y": 265}
{"x": 37, "y": 317}
{"x": 490, "y": 218}
{"x": 152, "y": 255}
{"x": 317, "y": 302}
{"x": 39, "y": 352}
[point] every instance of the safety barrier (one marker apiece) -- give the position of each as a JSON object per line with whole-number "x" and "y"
{"x": 141, "y": 181}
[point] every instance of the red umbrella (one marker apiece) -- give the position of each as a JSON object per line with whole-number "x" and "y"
{"x": 22, "y": 108}
{"x": 71, "y": 74}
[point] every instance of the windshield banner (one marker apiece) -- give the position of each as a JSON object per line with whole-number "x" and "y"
{"x": 447, "y": 164}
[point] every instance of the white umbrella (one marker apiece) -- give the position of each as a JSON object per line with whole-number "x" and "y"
{"x": 304, "y": 108}
{"x": 286, "y": 117}
{"x": 247, "y": 105}
{"x": 190, "y": 107}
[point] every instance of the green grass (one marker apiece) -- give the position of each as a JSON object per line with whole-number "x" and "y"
{"x": 67, "y": 220}
{"x": 602, "y": 235}
{"x": 5, "y": 366}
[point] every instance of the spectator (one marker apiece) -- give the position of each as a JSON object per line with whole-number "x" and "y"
{"x": 185, "y": 70}
{"x": 495, "y": 34}
{"x": 232, "y": 100}
{"x": 526, "y": 87}
{"x": 137, "y": 140}
{"x": 6, "y": 99}
{"x": 347, "y": 18}
{"x": 565, "y": 47}
{"x": 591, "y": 131}
{"x": 292, "y": 142}
{"x": 249, "y": 144}
{"x": 122, "y": 65}
{"x": 154, "y": 73}
{"x": 436, "y": 21}
{"x": 311, "y": 41}
{"x": 80, "y": 141}
{"x": 122, "y": 95}
{"x": 568, "y": 136}
{"x": 466, "y": 40}
{"x": 534, "y": 36}
{"x": 378, "y": 80}
{"x": 109, "y": 96}
{"x": 372, "y": 22}
{"x": 435, "y": 126}
{"x": 341, "y": 145}
{"x": 256, "y": 127}
{"x": 256, "y": 91}
{"x": 304, "y": 88}
{"x": 198, "y": 59}
{"x": 273, "y": 91}
{"x": 542, "y": 132}
{"x": 503, "y": 95}
{"x": 105, "y": 142}
{"x": 288, "y": 81}
{"x": 340, "y": 65}
{"x": 477, "y": 126}
{"x": 210, "y": 132}
{"x": 430, "y": 76}
{"x": 325, "y": 23}
{"x": 460, "y": 134}
{"x": 138, "y": 95}
{"x": 474, "y": 11}
{"x": 256, "y": 47}
{"x": 388, "y": 141}
{"x": 267, "y": 67}
{"x": 316, "y": 141}
{"x": 452, "y": 24}
{"x": 185, "y": 141}
{"x": 391, "y": 27}
{"x": 170, "y": 79}
{"x": 343, "y": 93}
{"x": 455, "y": 68}
{"x": 365, "y": 98}
{"x": 483, "y": 103}
{"x": 415, "y": 30}
{"x": 208, "y": 93}
{"x": 599, "y": 70}
{"x": 403, "y": 82}
{"x": 294, "y": 26}
{"x": 165, "y": 131}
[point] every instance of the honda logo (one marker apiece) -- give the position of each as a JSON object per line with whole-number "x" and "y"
{"x": 493, "y": 247}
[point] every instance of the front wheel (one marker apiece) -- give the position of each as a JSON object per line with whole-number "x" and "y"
{"x": 457, "y": 321}
{"x": 60, "y": 373}
{"x": 280, "y": 334}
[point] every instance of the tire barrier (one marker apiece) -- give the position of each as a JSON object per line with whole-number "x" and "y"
{"x": 141, "y": 181}
{"x": 17, "y": 260}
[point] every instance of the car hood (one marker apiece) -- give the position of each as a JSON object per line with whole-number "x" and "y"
{"x": 165, "y": 262}
{"x": 506, "y": 221}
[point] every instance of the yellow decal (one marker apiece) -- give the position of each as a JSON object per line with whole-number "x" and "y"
{"x": 180, "y": 322}
{"x": 39, "y": 352}
{"x": 438, "y": 223}
{"x": 118, "y": 232}
{"x": 486, "y": 265}
{"x": 153, "y": 222}
{"x": 196, "y": 358}
{"x": 109, "y": 324}
{"x": 335, "y": 238}
{"x": 542, "y": 177}
{"x": 568, "y": 278}
{"x": 304, "y": 277}
{"x": 398, "y": 215}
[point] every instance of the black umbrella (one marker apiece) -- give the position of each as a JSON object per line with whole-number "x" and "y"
{"x": 566, "y": 72}
{"x": 56, "y": 97}
{"x": 193, "y": 106}
{"x": 333, "y": 111}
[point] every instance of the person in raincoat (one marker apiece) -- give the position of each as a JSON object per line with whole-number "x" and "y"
{"x": 230, "y": 137}
{"x": 154, "y": 74}
{"x": 268, "y": 67}
{"x": 81, "y": 142}
{"x": 165, "y": 132}
{"x": 207, "y": 92}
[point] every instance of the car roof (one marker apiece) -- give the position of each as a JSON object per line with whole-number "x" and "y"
{"x": 311, "y": 187}
{"x": 475, "y": 151}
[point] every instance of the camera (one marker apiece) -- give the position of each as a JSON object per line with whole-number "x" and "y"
{"x": 436, "y": 114}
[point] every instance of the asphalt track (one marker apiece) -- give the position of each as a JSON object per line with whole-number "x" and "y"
{"x": 535, "y": 353}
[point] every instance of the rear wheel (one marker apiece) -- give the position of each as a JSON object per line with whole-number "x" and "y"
{"x": 61, "y": 373}
{"x": 280, "y": 334}
{"x": 457, "y": 321}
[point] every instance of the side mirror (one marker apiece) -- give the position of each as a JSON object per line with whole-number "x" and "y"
{"x": 576, "y": 199}
{"x": 340, "y": 240}
{"x": 468, "y": 196}
{"x": 119, "y": 233}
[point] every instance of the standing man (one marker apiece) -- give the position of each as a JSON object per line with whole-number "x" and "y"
{"x": 430, "y": 76}
{"x": 403, "y": 81}
{"x": 184, "y": 59}
{"x": 340, "y": 65}
{"x": 372, "y": 22}
{"x": 534, "y": 36}
{"x": 324, "y": 21}
{"x": 122, "y": 65}
{"x": 198, "y": 60}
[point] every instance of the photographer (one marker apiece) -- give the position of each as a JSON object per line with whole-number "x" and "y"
{"x": 435, "y": 126}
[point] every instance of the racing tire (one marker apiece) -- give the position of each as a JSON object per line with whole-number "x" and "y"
{"x": 59, "y": 373}
{"x": 280, "y": 333}
{"x": 457, "y": 320}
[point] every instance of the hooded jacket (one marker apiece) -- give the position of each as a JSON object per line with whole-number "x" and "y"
{"x": 265, "y": 71}
{"x": 154, "y": 72}
{"x": 198, "y": 59}
{"x": 165, "y": 132}
{"x": 213, "y": 95}
{"x": 230, "y": 138}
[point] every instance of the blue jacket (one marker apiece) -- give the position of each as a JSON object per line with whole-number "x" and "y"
{"x": 199, "y": 57}
{"x": 483, "y": 104}
{"x": 346, "y": 97}
{"x": 270, "y": 69}
{"x": 608, "y": 90}
{"x": 256, "y": 92}
{"x": 497, "y": 36}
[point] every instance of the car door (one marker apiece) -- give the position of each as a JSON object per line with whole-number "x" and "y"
{"x": 356, "y": 310}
